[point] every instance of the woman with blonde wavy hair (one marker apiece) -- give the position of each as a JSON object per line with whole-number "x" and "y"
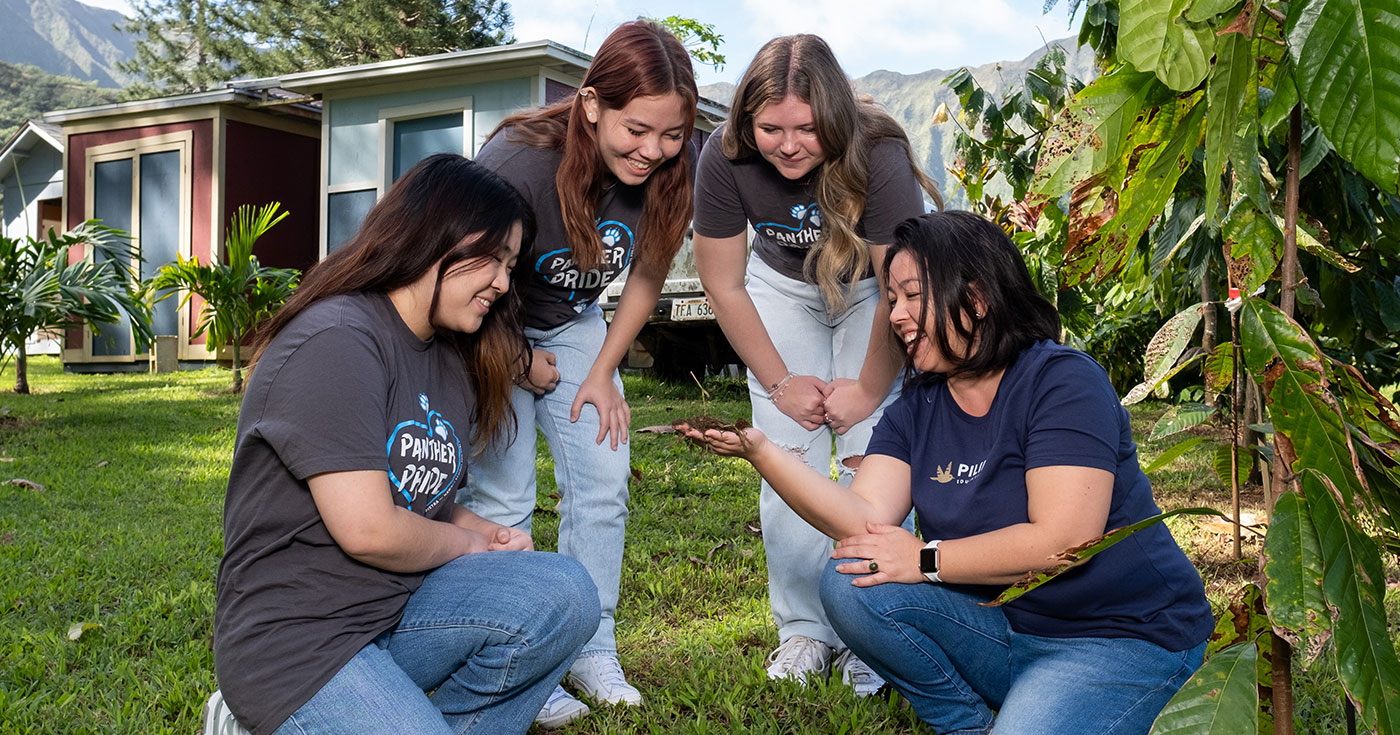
{"x": 823, "y": 177}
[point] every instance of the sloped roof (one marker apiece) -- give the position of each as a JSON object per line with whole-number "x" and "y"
{"x": 29, "y": 135}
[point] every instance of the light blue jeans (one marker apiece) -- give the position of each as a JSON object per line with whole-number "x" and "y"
{"x": 811, "y": 342}
{"x": 481, "y": 645}
{"x": 591, "y": 477}
{"x": 956, "y": 662}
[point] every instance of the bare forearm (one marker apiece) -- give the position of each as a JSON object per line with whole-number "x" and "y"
{"x": 744, "y": 329}
{"x": 408, "y": 542}
{"x": 829, "y": 507}
{"x": 638, "y": 299}
{"x": 1002, "y": 556}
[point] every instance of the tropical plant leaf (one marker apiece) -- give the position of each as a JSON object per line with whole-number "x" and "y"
{"x": 1254, "y": 246}
{"x": 1203, "y": 10}
{"x": 1219, "y": 699}
{"x": 1155, "y": 36}
{"x": 1388, "y": 303}
{"x": 1293, "y": 566}
{"x": 1308, "y": 242}
{"x": 1172, "y": 452}
{"x": 1164, "y": 350}
{"x": 1090, "y": 134}
{"x": 1221, "y": 464}
{"x": 1346, "y": 54}
{"x": 1219, "y": 367}
{"x": 1070, "y": 558}
{"x": 1354, "y": 582}
{"x": 1308, "y": 422}
{"x": 1229, "y": 90}
{"x": 1179, "y": 418}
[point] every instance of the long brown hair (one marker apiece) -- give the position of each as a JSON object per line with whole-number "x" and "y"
{"x": 638, "y": 59}
{"x": 443, "y": 211}
{"x": 847, "y": 127}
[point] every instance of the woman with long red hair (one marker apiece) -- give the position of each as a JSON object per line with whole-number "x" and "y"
{"x": 607, "y": 173}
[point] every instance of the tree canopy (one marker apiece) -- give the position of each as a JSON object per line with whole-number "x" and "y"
{"x": 194, "y": 45}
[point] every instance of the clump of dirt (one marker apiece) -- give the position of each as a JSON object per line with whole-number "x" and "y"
{"x": 704, "y": 422}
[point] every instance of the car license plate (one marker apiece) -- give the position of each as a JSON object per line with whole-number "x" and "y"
{"x": 684, "y": 310}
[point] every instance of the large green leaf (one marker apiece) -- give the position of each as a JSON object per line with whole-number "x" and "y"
{"x": 1354, "y": 582}
{"x": 1179, "y": 418}
{"x": 1219, "y": 367}
{"x": 1164, "y": 350}
{"x": 1346, "y": 54}
{"x": 1230, "y": 89}
{"x": 1173, "y": 452}
{"x": 1155, "y": 36}
{"x": 1070, "y": 558}
{"x": 1090, "y": 134}
{"x": 1307, "y": 420}
{"x": 1254, "y": 244}
{"x": 1243, "y": 464}
{"x": 1293, "y": 566}
{"x": 1220, "y": 699}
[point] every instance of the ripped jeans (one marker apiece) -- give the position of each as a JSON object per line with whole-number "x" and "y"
{"x": 829, "y": 347}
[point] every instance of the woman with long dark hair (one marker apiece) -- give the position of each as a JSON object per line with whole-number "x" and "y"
{"x": 823, "y": 178}
{"x": 1011, "y": 448}
{"x": 607, "y": 174}
{"x": 354, "y": 594}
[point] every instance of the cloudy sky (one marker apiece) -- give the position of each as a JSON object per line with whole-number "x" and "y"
{"x": 908, "y": 36}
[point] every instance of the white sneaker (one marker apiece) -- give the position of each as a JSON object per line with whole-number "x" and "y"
{"x": 218, "y": 719}
{"x": 560, "y": 709}
{"x": 857, "y": 674}
{"x": 600, "y": 678}
{"x": 799, "y": 657}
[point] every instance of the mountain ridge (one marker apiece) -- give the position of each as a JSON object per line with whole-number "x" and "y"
{"x": 66, "y": 38}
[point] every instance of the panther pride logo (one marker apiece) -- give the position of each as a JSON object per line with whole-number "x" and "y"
{"x": 425, "y": 458}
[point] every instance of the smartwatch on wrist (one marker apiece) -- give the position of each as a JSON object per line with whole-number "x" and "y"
{"x": 928, "y": 561}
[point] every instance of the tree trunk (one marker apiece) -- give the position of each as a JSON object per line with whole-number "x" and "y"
{"x": 1208, "y": 333}
{"x": 21, "y": 368}
{"x": 237, "y": 366}
{"x": 1282, "y": 474}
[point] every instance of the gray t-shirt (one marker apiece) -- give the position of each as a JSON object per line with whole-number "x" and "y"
{"x": 557, "y": 290}
{"x": 784, "y": 213}
{"x": 345, "y": 386}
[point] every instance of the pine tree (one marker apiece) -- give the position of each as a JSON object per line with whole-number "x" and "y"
{"x": 193, "y": 45}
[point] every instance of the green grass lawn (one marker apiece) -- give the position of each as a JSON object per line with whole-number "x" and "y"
{"x": 125, "y": 536}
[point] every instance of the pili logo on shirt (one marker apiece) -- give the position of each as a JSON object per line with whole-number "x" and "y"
{"x": 964, "y": 475}
{"x": 425, "y": 458}
{"x": 807, "y": 230}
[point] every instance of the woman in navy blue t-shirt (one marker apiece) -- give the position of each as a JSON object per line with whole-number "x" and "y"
{"x": 1011, "y": 448}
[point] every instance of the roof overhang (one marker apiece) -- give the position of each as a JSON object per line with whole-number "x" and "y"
{"x": 20, "y": 145}
{"x": 228, "y": 96}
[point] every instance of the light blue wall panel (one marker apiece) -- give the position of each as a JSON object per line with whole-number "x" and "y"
{"x": 354, "y": 121}
{"x": 111, "y": 203}
{"x": 160, "y": 229}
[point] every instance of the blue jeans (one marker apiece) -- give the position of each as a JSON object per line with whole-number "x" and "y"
{"x": 481, "y": 645}
{"x": 957, "y": 662}
{"x": 591, "y": 477}
{"x": 811, "y": 342}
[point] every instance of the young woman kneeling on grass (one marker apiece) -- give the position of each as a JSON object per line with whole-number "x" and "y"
{"x": 1011, "y": 448}
{"x": 354, "y": 594}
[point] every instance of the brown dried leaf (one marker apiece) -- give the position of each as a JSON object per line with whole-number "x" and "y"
{"x": 36, "y": 487}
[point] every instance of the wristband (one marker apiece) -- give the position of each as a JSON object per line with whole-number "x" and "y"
{"x": 929, "y": 561}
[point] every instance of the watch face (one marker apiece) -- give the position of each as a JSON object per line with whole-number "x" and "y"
{"x": 928, "y": 560}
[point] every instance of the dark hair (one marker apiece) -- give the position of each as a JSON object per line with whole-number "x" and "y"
{"x": 446, "y": 209}
{"x": 638, "y": 59}
{"x": 963, "y": 258}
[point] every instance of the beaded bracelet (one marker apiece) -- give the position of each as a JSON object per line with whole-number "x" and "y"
{"x": 776, "y": 391}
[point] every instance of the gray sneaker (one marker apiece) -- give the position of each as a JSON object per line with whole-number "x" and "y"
{"x": 560, "y": 709}
{"x": 857, "y": 674}
{"x": 218, "y": 719}
{"x": 799, "y": 657}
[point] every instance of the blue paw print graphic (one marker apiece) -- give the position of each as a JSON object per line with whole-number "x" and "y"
{"x": 814, "y": 216}
{"x": 611, "y": 236}
{"x": 798, "y": 211}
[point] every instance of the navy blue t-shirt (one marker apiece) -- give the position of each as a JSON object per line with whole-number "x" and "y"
{"x": 1054, "y": 406}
